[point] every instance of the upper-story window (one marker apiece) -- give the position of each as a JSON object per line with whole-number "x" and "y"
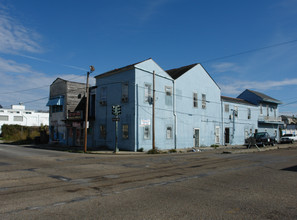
{"x": 249, "y": 113}
{"x": 168, "y": 93}
{"x": 125, "y": 92}
{"x": 204, "y": 101}
{"x": 103, "y": 95}
{"x": 56, "y": 108}
{"x": 226, "y": 107}
{"x": 261, "y": 109}
{"x": 195, "y": 100}
{"x": 147, "y": 93}
{"x": 236, "y": 111}
{"x": 267, "y": 108}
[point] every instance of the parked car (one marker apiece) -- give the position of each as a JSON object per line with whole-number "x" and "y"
{"x": 286, "y": 140}
{"x": 260, "y": 139}
{"x": 290, "y": 136}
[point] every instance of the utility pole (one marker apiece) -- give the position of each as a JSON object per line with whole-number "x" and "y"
{"x": 153, "y": 115}
{"x": 87, "y": 109}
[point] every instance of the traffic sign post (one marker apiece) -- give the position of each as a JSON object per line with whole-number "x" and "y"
{"x": 116, "y": 111}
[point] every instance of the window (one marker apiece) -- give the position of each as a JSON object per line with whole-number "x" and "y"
{"x": 261, "y": 109}
{"x": 204, "y": 101}
{"x": 267, "y": 110}
{"x": 102, "y": 131}
{"x": 103, "y": 96}
{"x": 3, "y": 117}
{"x": 125, "y": 92}
{"x": 236, "y": 111}
{"x": 57, "y": 108}
{"x": 249, "y": 113}
{"x": 18, "y": 118}
{"x": 146, "y": 132}
{"x": 28, "y": 113}
{"x": 195, "y": 100}
{"x": 169, "y": 132}
{"x": 217, "y": 135}
{"x": 226, "y": 107}
{"x": 125, "y": 131}
{"x": 147, "y": 93}
{"x": 168, "y": 98}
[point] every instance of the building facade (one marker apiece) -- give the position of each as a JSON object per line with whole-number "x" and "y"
{"x": 177, "y": 108}
{"x": 66, "y": 106}
{"x": 18, "y": 115}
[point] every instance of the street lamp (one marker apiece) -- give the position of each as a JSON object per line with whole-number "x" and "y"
{"x": 92, "y": 69}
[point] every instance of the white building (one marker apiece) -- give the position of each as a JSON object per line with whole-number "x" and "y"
{"x": 18, "y": 115}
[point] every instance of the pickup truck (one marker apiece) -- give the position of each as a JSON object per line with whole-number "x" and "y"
{"x": 290, "y": 136}
{"x": 260, "y": 139}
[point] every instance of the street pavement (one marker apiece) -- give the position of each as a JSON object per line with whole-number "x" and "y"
{"x": 223, "y": 183}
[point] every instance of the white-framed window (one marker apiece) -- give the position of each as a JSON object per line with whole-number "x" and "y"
{"x": 195, "y": 99}
{"x": 125, "y": 131}
{"x": 261, "y": 109}
{"x": 146, "y": 132}
{"x": 226, "y": 107}
{"x": 217, "y": 135}
{"x": 125, "y": 92}
{"x": 168, "y": 93}
{"x": 147, "y": 92}
{"x": 169, "y": 132}
{"x": 249, "y": 113}
{"x": 203, "y": 101}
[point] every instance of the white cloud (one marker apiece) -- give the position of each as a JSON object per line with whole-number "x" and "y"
{"x": 225, "y": 67}
{"x": 152, "y": 8}
{"x": 14, "y": 37}
{"x": 235, "y": 87}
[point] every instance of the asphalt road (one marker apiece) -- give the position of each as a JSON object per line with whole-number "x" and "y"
{"x": 45, "y": 184}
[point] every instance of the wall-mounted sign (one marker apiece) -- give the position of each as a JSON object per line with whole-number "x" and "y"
{"x": 77, "y": 115}
{"x": 144, "y": 122}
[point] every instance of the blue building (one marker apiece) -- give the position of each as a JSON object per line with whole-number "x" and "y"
{"x": 177, "y": 108}
{"x": 268, "y": 115}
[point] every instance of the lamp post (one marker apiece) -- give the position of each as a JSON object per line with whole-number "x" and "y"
{"x": 92, "y": 69}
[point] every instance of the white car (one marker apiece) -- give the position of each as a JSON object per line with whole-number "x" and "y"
{"x": 290, "y": 136}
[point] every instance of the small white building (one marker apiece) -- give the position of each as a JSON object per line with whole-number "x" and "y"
{"x": 18, "y": 115}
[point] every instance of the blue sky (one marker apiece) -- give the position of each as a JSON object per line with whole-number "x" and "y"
{"x": 43, "y": 40}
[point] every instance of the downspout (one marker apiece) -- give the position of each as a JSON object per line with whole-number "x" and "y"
{"x": 174, "y": 115}
{"x": 137, "y": 119}
{"x": 222, "y": 119}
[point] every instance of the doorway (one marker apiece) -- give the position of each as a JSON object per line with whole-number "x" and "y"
{"x": 196, "y": 137}
{"x": 227, "y": 135}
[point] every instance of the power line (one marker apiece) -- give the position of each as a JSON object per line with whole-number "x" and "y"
{"x": 249, "y": 51}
